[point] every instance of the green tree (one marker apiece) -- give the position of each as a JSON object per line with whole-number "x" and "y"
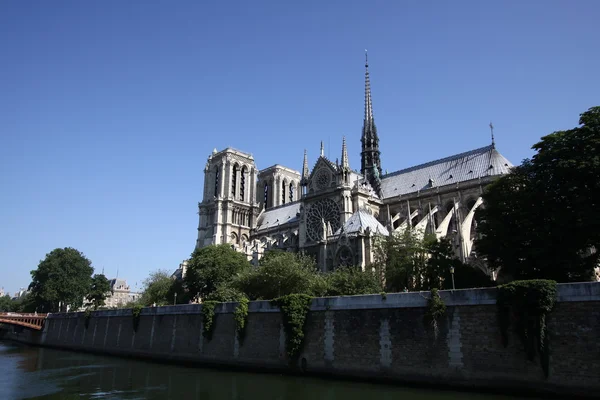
{"x": 213, "y": 266}
{"x": 279, "y": 274}
{"x": 541, "y": 220}
{"x": 61, "y": 280}
{"x": 400, "y": 259}
{"x": 6, "y": 304}
{"x": 99, "y": 290}
{"x": 436, "y": 274}
{"x": 226, "y": 293}
{"x": 178, "y": 293}
{"x": 24, "y": 304}
{"x": 408, "y": 260}
{"x": 157, "y": 289}
{"x": 347, "y": 281}
{"x": 442, "y": 261}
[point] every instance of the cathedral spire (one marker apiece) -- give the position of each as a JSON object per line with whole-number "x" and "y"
{"x": 345, "y": 162}
{"x": 305, "y": 167}
{"x": 370, "y": 153}
{"x": 369, "y": 123}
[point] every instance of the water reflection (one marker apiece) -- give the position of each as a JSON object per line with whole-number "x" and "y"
{"x": 37, "y": 373}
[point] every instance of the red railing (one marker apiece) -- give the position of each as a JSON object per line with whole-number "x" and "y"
{"x": 31, "y": 321}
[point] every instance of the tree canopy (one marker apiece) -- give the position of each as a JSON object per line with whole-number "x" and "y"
{"x": 99, "y": 290}
{"x": 158, "y": 289}
{"x": 408, "y": 261}
{"x": 541, "y": 220}
{"x": 281, "y": 273}
{"x": 348, "y": 281}
{"x": 62, "y": 278}
{"x": 6, "y": 303}
{"x": 213, "y": 266}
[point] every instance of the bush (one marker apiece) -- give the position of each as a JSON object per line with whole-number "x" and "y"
{"x": 87, "y": 315}
{"x": 224, "y": 294}
{"x": 280, "y": 274}
{"x": 240, "y": 316}
{"x": 294, "y": 309}
{"x": 136, "y": 312}
{"x": 529, "y": 302}
{"x": 435, "y": 310}
{"x": 208, "y": 318}
{"x": 352, "y": 281}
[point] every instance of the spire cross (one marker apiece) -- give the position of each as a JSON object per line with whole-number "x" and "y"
{"x": 366, "y": 58}
{"x": 492, "y": 132}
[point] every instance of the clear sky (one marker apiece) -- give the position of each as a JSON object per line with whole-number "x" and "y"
{"x": 109, "y": 109}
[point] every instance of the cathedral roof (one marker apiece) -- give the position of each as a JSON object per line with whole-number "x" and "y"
{"x": 362, "y": 219}
{"x": 277, "y": 216}
{"x": 478, "y": 163}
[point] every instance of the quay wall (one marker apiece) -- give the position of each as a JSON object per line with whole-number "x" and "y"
{"x": 372, "y": 337}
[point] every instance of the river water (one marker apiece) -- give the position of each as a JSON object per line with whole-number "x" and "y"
{"x": 39, "y": 373}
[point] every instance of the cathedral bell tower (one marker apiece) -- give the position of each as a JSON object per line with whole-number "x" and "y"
{"x": 228, "y": 209}
{"x": 370, "y": 163}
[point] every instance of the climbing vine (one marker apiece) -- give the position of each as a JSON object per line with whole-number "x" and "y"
{"x": 435, "y": 310}
{"x": 294, "y": 309}
{"x": 208, "y": 318}
{"x": 240, "y": 315}
{"x": 527, "y": 304}
{"x": 136, "y": 312}
{"x": 87, "y": 315}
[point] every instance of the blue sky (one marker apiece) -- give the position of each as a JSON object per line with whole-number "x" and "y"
{"x": 108, "y": 109}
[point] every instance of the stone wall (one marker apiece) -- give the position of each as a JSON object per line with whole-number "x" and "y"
{"x": 374, "y": 337}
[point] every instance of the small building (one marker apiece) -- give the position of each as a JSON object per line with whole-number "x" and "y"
{"x": 120, "y": 293}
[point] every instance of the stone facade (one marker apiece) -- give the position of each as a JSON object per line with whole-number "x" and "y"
{"x": 120, "y": 294}
{"x": 335, "y": 213}
{"x": 383, "y": 338}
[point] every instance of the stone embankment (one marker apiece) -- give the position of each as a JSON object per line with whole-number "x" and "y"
{"x": 380, "y": 337}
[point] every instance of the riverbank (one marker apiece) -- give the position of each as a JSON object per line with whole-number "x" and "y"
{"x": 376, "y": 337}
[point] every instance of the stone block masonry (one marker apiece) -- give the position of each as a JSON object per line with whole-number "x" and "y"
{"x": 373, "y": 337}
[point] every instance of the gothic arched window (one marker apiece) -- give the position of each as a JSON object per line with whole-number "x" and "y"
{"x": 291, "y": 191}
{"x": 234, "y": 174}
{"x": 243, "y": 183}
{"x": 266, "y": 195}
{"x": 283, "y": 187}
{"x": 217, "y": 181}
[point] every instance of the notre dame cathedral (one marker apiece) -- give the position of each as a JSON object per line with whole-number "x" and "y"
{"x": 335, "y": 213}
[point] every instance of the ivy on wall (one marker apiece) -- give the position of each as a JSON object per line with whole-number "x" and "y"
{"x": 294, "y": 309}
{"x": 527, "y": 304}
{"x": 136, "y": 312}
{"x": 435, "y": 310}
{"x": 87, "y": 315}
{"x": 240, "y": 316}
{"x": 208, "y": 318}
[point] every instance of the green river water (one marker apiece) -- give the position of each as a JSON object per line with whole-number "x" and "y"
{"x": 39, "y": 373}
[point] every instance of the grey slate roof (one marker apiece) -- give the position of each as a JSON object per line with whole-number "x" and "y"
{"x": 278, "y": 216}
{"x": 478, "y": 163}
{"x": 362, "y": 219}
{"x": 117, "y": 283}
